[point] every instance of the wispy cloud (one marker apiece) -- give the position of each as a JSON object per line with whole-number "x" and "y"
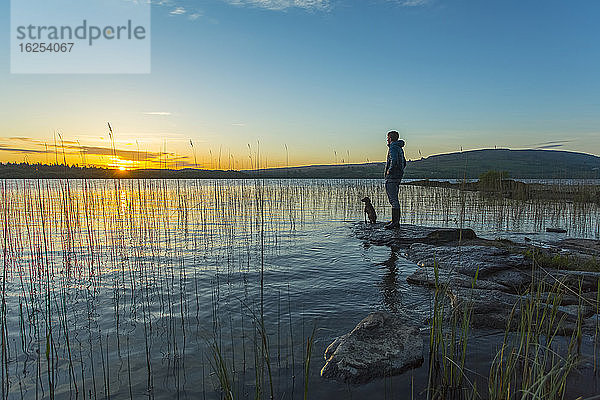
{"x": 73, "y": 148}
{"x": 178, "y": 11}
{"x": 159, "y": 113}
{"x": 415, "y": 3}
{"x": 35, "y": 141}
{"x": 23, "y": 151}
{"x": 551, "y": 145}
{"x": 278, "y": 5}
{"x": 131, "y": 155}
{"x": 238, "y": 124}
{"x": 178, "y": 8}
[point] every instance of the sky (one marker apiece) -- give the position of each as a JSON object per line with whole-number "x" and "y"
{"x": 236, "y": 84}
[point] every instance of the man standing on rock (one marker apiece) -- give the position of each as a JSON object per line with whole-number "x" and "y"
{"x": 394, "y": 170}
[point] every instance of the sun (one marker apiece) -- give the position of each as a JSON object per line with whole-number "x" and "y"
{"x": 121, "y": 165}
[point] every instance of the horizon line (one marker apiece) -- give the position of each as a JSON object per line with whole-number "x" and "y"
{"x": 107, "y": 168}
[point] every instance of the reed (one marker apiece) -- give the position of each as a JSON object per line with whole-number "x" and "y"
{"x": 112, "y": 288}
{"x": 448, "y": 339}
{"x": 532, "y": 362}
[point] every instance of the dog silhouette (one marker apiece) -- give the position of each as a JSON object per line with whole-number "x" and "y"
{"x": 369, "y": 210}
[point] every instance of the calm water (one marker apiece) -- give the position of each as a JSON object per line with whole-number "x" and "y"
{"x": 122, "y": 289}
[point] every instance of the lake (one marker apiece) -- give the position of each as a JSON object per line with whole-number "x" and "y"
{"x": 152, "y": 288}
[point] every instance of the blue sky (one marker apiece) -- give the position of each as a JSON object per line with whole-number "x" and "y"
{"x": 327, "y": 79}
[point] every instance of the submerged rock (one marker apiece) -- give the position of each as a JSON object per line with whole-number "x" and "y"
{"x": 406, "y": 234}
{"x": 380, "y": 345}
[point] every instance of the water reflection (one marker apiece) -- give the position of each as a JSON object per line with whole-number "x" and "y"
{"x": 389, "y": 284}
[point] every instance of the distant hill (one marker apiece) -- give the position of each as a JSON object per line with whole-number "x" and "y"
{"x": 532, "y": 164}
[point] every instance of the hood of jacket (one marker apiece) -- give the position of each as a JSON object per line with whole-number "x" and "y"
{"x": 398, "y": 144}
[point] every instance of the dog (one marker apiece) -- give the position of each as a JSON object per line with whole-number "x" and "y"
{"x": 369, "y": 210}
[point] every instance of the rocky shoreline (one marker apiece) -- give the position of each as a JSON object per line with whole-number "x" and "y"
{"x": 491, "y": 277}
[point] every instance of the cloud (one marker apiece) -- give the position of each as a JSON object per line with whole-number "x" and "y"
{"x": 551, "y": 145}
{"x": 76, "y": 149}
{"x": 414, "y": 3}
{"x": 24, "y": 151}
{"x": 162, "y": 2}
{"x": 238, "y": 124}
{"x": 161, "y": 113}
{"x": 178, "y": 11}
{"x": 554, "y": 142}
{"x": 35, "y": 141}
{"x": 278, "y": 5}
{"x": 132, "y": 155}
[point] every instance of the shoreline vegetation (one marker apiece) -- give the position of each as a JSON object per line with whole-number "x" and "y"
{"x": 491, "y": 183}
{"x": 518, "y": 164}
{"x": 515, "y": 190}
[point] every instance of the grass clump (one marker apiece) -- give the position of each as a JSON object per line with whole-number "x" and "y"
{"x": 535, "y": 361}
{"x": 492, "y": 180}
{"x": 550, "y": 260}
{"x": 449, "y": 334}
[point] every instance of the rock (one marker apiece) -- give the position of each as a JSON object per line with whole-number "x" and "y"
{"x": 403, "y": 236}
{"x": 556, "y": 230}
{"x": 591, "y": 326}
{"x": 505, "y": 274}
{"x": 425, "y": 276}
{"x": 573, "y": 309}
{"x": 490, "y": 308}
{"x": 588, "y": 281}
{"x": 514, "y": 279}
{"x": 494, "y": 309}
{"x": 584, "y": 246}
{"x": 382, "y": 344}
{"x": 467, "y": 259}
{"x": 406, "y": 234}
{"x": 451, "y": 235}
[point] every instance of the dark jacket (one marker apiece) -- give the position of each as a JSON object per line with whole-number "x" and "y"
{"x": 394, "y": 167}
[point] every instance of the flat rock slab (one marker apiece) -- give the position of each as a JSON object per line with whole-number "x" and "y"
{"x": 381, "y": 345}
{"x": 425, "y": 276}
{"x": 405, "y": 234}
{"x": 504, "y": 272}
{"x": 584, "y": 246}
{"x": 498, "y": 310}
{"x": 466, "y": 259}
{"x": 512, "y": 271}
{"x": 587, "y": 280}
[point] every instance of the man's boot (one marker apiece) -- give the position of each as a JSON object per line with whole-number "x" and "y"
{"x": 389, "y": 222}
{"x": 395, "y": 222}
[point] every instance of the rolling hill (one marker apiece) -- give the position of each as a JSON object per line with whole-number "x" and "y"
{"x": 532, "y": 164}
